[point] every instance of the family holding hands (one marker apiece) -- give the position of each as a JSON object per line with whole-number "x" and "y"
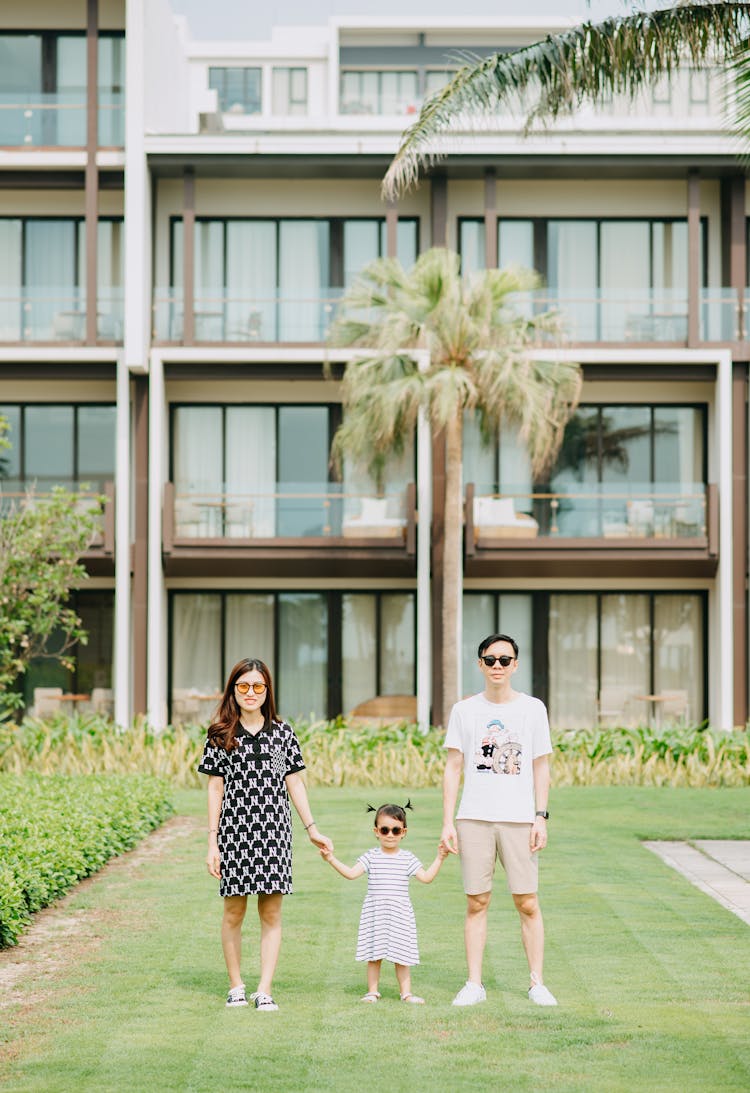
{"x": 497, "y": 741}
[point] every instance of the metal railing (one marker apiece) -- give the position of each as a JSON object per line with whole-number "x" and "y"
{"x": 54, "y": 313}
{"x": 47, "y": 119}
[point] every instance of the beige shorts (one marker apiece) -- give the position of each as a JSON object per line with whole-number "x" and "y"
{"x": 481, "y": 842}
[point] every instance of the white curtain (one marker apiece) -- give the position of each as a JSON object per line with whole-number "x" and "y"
{"x": 11, "y": 313}
{"x": 302, "y": 674}
{"x": 679, "y": 652}
{"x": 251, "y": 280}
{"x": 625, "y": 275}
{"x": 472, "y": 246}
{"x": 50, "y": 278}
{"x": 572, "y": 661}
{"x": 572, "y": 275}
{"x": 358, "y": 661}
{"x": 251, "y": 466}
{"x": 479, "y": 620}
{"x": 198, "y": 453}
{"x": 196, "y": 647}
{"x": 397, "y": 633}
{"x": 625, "y": 657}
{"x": 515, "y": 243}
{"x": 303, "y": 279}
{"x": 248, "y": 629}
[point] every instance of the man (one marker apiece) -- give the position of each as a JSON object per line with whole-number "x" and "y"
{"x": 500, "y": 741}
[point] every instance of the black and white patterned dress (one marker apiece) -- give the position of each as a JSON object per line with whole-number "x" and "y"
{"x": 255, "y": 827}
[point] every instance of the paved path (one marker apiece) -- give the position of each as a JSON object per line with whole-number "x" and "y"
{"x": 719, "y": 867}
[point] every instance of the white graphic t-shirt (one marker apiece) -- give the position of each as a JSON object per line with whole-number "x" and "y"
{"x": 499, "y": 742}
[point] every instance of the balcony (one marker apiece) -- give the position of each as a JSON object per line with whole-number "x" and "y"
{"x": 231, "y": 317}
{"x": 616, "y": 317}
{"x": 58, "y": 120}
{"x": 58, "y": 314}
{"x": 17, "y": 493}
{"x": 648, "y": 316}
{"x": 641, "y": 530}
{"x": 297, "y": 530}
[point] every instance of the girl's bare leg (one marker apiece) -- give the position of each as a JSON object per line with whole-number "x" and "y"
{"x": 403, "y": 975}
{"x": 269, "y": 913}
{"x": 231, "y": 936}
{"x": 373, "y": 976}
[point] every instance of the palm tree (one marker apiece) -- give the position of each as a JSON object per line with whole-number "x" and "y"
{"x": 476, "y": 347}
{"x": 591, "y": 62}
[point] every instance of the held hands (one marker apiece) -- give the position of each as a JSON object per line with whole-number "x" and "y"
{"x": 442, "y": 851}
{"x": 326, "y": 852}
{"x": 321, "y": 841}
{"x": 449, "y": 839}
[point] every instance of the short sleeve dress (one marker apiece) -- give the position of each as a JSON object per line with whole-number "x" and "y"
{"x": 387, "y": 927}
{"x": 255, "y": 826}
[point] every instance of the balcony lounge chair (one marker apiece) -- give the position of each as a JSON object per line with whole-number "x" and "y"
{"x": 496, "y": 518}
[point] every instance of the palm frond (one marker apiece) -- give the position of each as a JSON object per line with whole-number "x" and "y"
{"x": 591, "y": 62}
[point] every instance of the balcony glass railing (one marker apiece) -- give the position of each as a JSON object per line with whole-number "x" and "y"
{"x": 290, "y": 510}
{"x": 17, "y": 493}
{"x": 42, "y": 119}
{"x": 664, "y": 510}
{"x": 55, "y": 314}
{"x": 228, "y": 316}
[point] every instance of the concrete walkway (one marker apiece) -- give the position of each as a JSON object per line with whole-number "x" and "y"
{"x": 719, "y": 867}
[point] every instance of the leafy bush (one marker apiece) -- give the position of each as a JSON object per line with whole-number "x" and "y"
{"x": 336, "y": 754}
{"x": 55, "y": 830}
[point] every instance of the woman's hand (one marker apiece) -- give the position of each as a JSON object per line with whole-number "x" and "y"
{"x": 321, "y": 841}
{"x": 213, "y": 859}
{"x": 326, "y": 852}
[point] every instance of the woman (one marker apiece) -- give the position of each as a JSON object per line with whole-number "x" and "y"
{"x": 253, "y": 762}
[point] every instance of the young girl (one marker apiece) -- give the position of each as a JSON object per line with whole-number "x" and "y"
{"x": 253, "y": 762}
{"x": 387, "y": 929}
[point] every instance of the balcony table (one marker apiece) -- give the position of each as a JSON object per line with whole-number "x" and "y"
{"x": 654, "y": 700}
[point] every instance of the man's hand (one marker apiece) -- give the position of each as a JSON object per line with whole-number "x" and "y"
{"x": 538, "y": 836}
{"x": 449, "y": 838}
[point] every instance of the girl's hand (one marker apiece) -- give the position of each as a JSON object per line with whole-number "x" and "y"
{"x": 326, "y": 852}
{"x": 321, "y": 841}
{"x": 213, "y": 861}
{"x": 443, "y": 851}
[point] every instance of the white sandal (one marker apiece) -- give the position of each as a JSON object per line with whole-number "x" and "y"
{"x": 413, "y": 998}
{"x": 371, "y": 996}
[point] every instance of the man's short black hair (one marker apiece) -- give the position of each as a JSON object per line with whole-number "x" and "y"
{"x": 484, "y": 645}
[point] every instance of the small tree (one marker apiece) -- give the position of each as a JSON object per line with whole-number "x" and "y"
{"x": 41, "y": 541}
{"x": 478, "y": 344}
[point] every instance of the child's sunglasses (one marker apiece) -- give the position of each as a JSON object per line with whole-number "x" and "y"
{"x": 390, "y": 830}
{"x": 244, "y": 688}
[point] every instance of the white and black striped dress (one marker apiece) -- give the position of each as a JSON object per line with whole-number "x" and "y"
{"x": 387, "y": 927}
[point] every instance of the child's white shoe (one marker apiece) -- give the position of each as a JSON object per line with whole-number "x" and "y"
{"x": 413, "y": 998}
{"x": 371, "y": 996}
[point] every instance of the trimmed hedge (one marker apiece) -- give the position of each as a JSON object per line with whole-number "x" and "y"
{"x": 57, "y": 829}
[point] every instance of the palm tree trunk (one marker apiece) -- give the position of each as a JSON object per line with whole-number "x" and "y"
{"x": 452, "y": 564}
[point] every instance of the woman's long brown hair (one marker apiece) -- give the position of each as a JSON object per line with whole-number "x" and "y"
{"x": 222, "y": 731}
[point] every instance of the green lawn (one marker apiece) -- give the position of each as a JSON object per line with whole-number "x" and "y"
{"x": 652, "y": 976}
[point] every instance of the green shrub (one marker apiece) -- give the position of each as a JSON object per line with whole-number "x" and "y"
{"x": 337, "y": 754}
{"x": 57, "y": 829}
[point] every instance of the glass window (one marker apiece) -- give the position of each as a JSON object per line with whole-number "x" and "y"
{"x": 93, "y": 661}
{"x": 435, "y": 78}
{"x": 397, "y": 623}
{"x": 358, "y": 660}
{"x": 289, "y": 91}
{"x": 196, "y": 655}
{"x": 249, "y": 627}
{"x": 625, "y": 651}
{"x": 10, "y": 458}
{"x": 95, "y": 432}
{"x": 487, "y": 613}
{"x": 678, "y": 657}
{"x": 71, "y": 90}
{"x": 48, "y": 444}
{"x": 572, "y": 652}
{"x": 573, "y": 275}
{"x": 379, "y": 92}
{"x": 303, "y": 655}
{"x": 678, "y": 445}
{"x": 239, "y": 89}
{"x": 515, "y": 243}
{"x": 472, "y": 246}
{"x": 111, "y": 79}
{"x": 303, "y": 454}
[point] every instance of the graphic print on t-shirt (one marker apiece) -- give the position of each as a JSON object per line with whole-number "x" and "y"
{"x": 498, "y": 752}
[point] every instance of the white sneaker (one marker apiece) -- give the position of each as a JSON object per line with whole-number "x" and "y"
{"x": 470, "y": 994}
{"x": 541, "y": 995}
{"x": 263, "y": 1001}
{"x": 236, "y": 996}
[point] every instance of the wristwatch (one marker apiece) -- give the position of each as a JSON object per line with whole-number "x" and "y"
{"x": 544, "y": 814}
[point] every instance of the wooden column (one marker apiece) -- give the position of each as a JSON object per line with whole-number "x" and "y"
{"x": 91, "y": 182}
{"x": 439, "y": 211}
{"x": 694, "y": 257}
{"x": 140, "y": 553}
{"x": 490, "y": 219}
{"x": 391, "y": 229}
{"x": 188, "y": 257}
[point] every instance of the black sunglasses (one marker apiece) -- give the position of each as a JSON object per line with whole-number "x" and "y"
{"x": 390, "y": 830}
{"x": 502, "y": 661}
